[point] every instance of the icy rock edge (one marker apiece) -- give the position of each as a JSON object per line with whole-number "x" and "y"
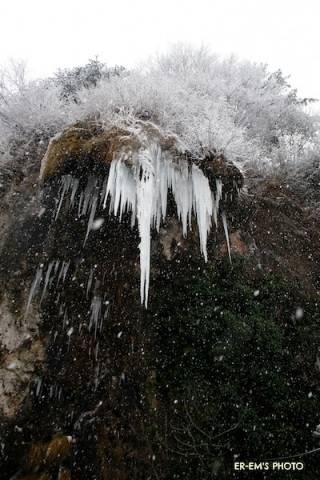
{"x": 144, "y": 166}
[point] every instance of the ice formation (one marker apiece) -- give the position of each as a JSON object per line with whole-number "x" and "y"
{"x": 140, "y": 183}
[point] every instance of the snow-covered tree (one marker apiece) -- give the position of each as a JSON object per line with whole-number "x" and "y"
{"x": 238, "y": 107}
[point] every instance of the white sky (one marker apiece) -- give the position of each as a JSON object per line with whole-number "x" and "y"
{"x": 65, "y": 33}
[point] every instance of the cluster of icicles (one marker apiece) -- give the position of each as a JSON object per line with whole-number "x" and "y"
{"x": 49, "y": 277}
{"x": 139, "y": 184}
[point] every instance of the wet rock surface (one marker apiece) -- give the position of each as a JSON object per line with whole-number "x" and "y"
{"x": 94, "y": 386}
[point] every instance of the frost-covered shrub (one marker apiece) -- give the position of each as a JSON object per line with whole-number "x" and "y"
{"x": 234, "y": 106}
{"x": 70, "y": 81}
{"x": 27, "y": 109}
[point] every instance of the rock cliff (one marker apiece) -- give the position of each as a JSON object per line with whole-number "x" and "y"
{"x": 224, "y": 362}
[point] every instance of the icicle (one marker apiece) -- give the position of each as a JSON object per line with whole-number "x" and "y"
{"x": 144, "y": 219}
{"x": 217, "y": 199}
{"x": 75, "y": 185}
{"x": 225, "y": 227}
{"x": 38, "y": 388}
{"x": 103, "y": 317}
{"x": 66, "y": 181}
{"x": 89, "y": 195}
{"x": 95, "y": 314}
{"x": 61, "y": 310}
{"x": 61, "y": 272}
{"x": 56, "y": 267}
{"x": 103, "y": 192}
{"x": 96, "y": 351}
{"x": 46, "y": 281}
{"x": 182, "y": 188}
{"x": 65, "y": 270}
{"x": 121, "y": 188}
{"x": 203, "y": 206}
{"x": 90, "y": 278}
{"x": 65, "y": 319}
{"x": 80, "y": 204}
{"x": 35, "y": 284}
{"x": 91, "y": 217}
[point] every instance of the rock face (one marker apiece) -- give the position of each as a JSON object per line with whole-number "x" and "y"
{"x": 222, "y": 364}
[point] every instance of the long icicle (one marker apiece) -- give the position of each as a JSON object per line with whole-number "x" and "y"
{"x": 142, "y": 189}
